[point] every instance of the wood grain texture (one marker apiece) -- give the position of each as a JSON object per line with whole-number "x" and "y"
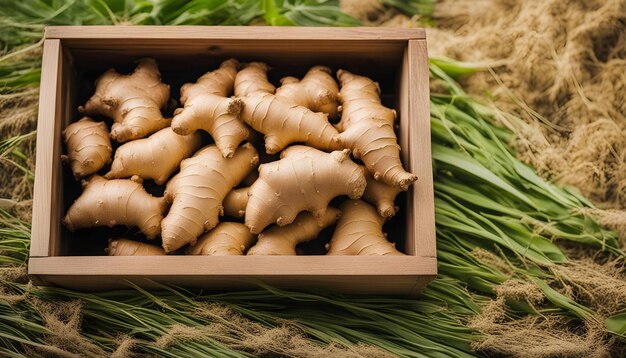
{"x": 353, "y": 274}
{"x": 404, "y": 139}
{"x": 182, "y": 33}
{"x": 423, "y": 197}
{"x": 45, "y": 214}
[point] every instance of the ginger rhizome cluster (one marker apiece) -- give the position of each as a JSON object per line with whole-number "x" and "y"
{"x": 241, "y": 167}
{"x": 133, "y": 101}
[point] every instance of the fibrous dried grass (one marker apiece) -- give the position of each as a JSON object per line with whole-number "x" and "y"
{"x": 18, "y": 115}
{"x": 285, "y": 339}
{"x": 600, "y": 287}
{"x": 64, "y": 320}
{"x": 566, "y": 60}
{"x": 534, "y": 335}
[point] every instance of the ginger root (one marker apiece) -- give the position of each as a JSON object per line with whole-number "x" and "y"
{"x": 304, "y": 179}
{"x": 382, "y": 195}
{"x": 88, "y": 146}
{"x": 207, "y": 107}
{"x": 317, "y": 91}
{"x": 278, "y": 119}
{"x": 235, "y": 202}
{"x": 278, "y": 240}
{"x": 116, "y": 202}
{"x": 360, "y": 232}
{"x": 367, "y": 129}
{"x": 123, "y": 247}
{"x": 197, "y": 192}
{"x": 225, "y": 239}
{"x": 134, "y": 101}
{"x": 155, "y": 157}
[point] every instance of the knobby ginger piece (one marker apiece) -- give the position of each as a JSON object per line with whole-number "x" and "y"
{"x": 123, "y": 247}
{"x": 226, "y": 239}
{"x": 382, "y": 195}
{"x": 281, "y": 121}
{"x": 155, "y": 157}
{"x": 317, "y": 91}
{"x": 303, "y": 179}
{"x": 277, "y": 240}
{"x": 367, "y": 130}
{"x": 134, "y": 101}
{"x": 207, "y": 107}
{"x": 88, "y": 147}
{"x": 360, "y": 232}
{"x": 116, "y": 202}
{"x": 198, "y": 190}
{"x": 235, "y": 202}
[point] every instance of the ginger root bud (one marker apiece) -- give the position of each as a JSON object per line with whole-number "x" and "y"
{"x": 382, "y": 195}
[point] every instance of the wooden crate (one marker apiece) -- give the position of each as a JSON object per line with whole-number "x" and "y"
{"x": 73, "y": 56}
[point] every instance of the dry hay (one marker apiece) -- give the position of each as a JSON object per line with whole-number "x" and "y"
{"x": 602, "y": 288}
{"x": 18, "y": 116}
{"x": 534, "y": 335}
{"x": 566, "y": 60}
{"x": 285, "y": 339}
{"x": 64, "y": 337}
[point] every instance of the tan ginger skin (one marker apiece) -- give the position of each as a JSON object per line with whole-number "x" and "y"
{"x": 198, "y": 190}
{"x": 226, "y": 239}
{"x": 277, "y": 240}
{"x": 235, "y": 202}
{"x": 367, "y": 130}
{"x": 360, "y": 232}
{"x": 116, "y": 202}
{"x": 303, "y": 179}
{"x": 123, "y": 247}
{"x": 134, "y": 101}
{"x": 317, "y": 91}
{"x": 207, "y": 107}
{"x": 278, "y": 119}
{"x": 155, "y": 157}
{"x": 382, "y": 195}
{"x": 88, "y": 147}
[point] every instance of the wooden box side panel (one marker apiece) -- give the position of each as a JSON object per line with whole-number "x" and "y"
{"x": 399, "y": 275}
{"x": 404, "y": 115}
{"x": 420, "y": 158}
{"x": 46, "y": 198}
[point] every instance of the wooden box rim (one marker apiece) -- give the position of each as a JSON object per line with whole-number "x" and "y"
{"x": 234, "y": 33}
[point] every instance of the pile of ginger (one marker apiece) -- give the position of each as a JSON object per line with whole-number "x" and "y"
{"x": 211, "y": 188}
